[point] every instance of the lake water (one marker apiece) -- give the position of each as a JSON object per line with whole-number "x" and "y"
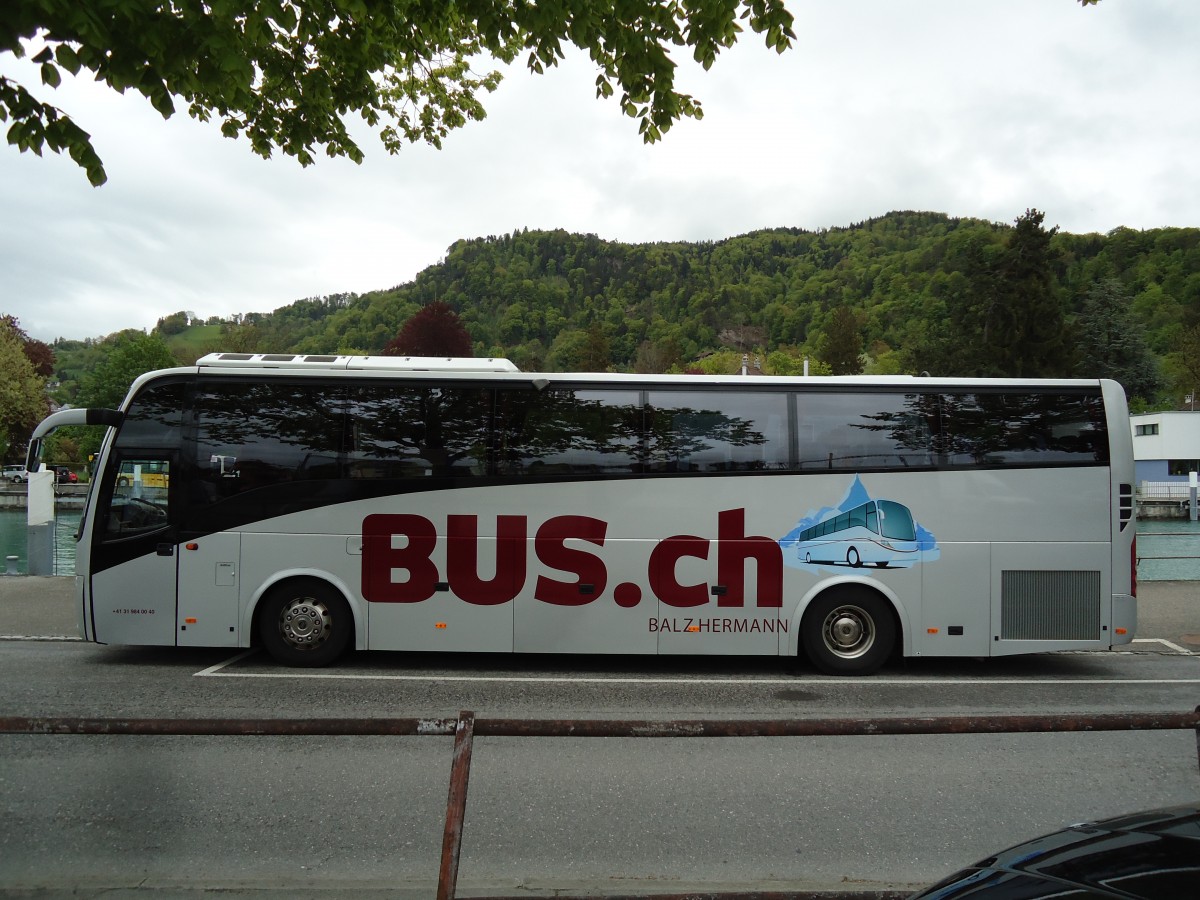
{"x": 14, "y": 531}
{"x": 1169, "y": 549}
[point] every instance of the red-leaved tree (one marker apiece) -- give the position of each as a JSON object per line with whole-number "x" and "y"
{"x": 434, "y": 331}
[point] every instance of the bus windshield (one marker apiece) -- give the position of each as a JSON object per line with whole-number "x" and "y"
{"x": 897, "y": 521}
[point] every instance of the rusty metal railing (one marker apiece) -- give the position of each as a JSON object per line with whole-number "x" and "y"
{"x": 467, "y": 726}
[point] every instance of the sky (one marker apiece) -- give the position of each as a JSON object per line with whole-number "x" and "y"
{"x": 974, "y": 108}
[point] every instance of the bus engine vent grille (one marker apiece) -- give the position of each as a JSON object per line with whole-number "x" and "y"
{"x": 1126, "y": 505}
{"x": 1049, "y": 605}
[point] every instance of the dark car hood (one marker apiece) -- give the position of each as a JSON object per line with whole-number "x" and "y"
{"x": 1152, "y": 855}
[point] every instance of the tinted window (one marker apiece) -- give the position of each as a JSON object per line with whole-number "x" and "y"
{"x": 155, "y": 417}
{"x": 1022, "y": 429}
{"x": 565, "y": 432}
{"x": 254, "y": 435}
{"x": 694, "y": 431}
{"x": 904, "y": 431}
{"x": 865, "y": 431}
{"x": 398, "y": 431}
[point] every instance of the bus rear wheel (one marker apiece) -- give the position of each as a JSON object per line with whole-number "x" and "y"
{"x": 848, "y": 632}
{"x": 305, "y": 623}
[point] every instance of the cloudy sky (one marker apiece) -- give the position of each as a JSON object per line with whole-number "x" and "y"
{"x": 970, "y": 107}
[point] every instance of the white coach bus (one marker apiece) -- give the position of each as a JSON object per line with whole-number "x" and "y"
{"x": 309, "y": 504}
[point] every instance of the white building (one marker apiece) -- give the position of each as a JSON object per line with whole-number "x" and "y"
{"x": 1166, "y": 445}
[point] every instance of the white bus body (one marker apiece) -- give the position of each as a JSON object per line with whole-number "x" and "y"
{"x": 315, "y": 503}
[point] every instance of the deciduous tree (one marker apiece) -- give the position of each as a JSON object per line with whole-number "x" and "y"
{"x": 287, "y": 73}
{"x": 39, "y": 354}
{"x": 133, "y": 354}
{"x": 434, "y": 331}
{"x": 23, "y": 400}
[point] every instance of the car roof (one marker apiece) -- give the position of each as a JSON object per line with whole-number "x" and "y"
{"x": 1150, "y": 855}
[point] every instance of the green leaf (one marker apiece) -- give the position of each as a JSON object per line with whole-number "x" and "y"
{"x": 50, "y": 75}
{"x": 67, "y": 58}
{"x": 162, "y": 102}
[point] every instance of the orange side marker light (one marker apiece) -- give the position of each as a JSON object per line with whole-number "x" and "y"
{"x": 931, "y": 630}
{"x": 190, "y": 621}
{"x": 439, "y": 625}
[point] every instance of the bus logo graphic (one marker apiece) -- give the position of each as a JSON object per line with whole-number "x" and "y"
{"x": 860, "y": 532}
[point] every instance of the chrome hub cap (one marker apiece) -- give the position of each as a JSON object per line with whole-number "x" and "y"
{"x": 848, "y": 632}
{"x": 305, "y": 623}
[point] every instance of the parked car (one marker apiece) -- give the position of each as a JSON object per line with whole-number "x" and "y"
{"x": 1153, "y": 855}
{"x": 16, "y": 474}
{"x": 63, "y": 475}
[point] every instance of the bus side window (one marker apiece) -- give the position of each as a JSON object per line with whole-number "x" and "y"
{"x": 261, "y": 434}
{"x": 568, "y": 433}
{"x": 417, "y": 431}
{"x": 717, "y": 431}
{"x": 858, "y": 431}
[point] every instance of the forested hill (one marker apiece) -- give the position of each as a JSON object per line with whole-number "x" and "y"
{"x": 928, "y": 292}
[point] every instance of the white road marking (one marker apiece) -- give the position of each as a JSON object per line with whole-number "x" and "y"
{"x": 1165, "y": 643}
{"x": 213, "y": 670}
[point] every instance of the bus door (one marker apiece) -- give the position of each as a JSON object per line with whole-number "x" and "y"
{"x": 133, "y": 558}
{"x": 209, "y": 578}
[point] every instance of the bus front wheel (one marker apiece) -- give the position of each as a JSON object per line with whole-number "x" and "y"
{"x": 848, "y": 632}
{"x": 305, "y": 623}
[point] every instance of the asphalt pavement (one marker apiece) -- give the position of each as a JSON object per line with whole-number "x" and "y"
{"x": 41, "y": 606}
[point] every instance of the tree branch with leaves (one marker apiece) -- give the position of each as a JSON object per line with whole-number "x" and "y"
{"x": 286, "y": 74}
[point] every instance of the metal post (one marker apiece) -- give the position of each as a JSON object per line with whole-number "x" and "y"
{"x": 40, "y": 519}
{"x": 456, "y": 805}
{"x": 1197, "y": 730}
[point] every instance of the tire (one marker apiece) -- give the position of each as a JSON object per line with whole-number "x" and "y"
{"x": 848, "y": 632}
{"x": 305, "y": 623}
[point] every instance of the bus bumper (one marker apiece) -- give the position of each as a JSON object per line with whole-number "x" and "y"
{"x": 1124, "y": 618}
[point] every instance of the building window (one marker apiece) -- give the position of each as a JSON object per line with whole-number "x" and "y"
{"x": 1140, "y": 430}
{"x": 1183, "y": 466}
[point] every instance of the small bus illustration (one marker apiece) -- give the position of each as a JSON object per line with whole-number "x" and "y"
{"x": 877, "y": 533}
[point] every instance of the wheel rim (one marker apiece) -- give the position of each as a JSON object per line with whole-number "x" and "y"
{"x": 848, "y": 631}
{"x": 305, "y": 623}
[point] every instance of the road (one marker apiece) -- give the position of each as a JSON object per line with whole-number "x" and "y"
{"x": 85, "y": 815}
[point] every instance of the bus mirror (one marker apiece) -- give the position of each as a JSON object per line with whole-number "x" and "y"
{"x": 108, "y": 417}
{"x": 33, "y": 456}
